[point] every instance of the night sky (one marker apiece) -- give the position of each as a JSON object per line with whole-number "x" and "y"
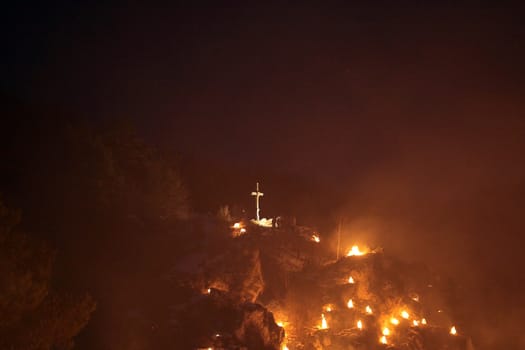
{"x": 406, "y": 119}
{"x": 328, "y": 91}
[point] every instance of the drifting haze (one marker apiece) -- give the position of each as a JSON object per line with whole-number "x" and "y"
{"x": 407, "y": 122}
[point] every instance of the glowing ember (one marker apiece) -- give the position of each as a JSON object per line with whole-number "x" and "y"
{"x": 394, "y": 320}
{"x": 238, "y": 229}
{"x": 324, "y": 324}
{"x": 405, "y": 315}
{"x": 351, "y": 280}
{"x": 284, "y": 347}
{"x": 316, "y": 238}
{"x": 415, "y": 323}
{"x": 423, "y": 321}
{"x": 208, "y": 290}
{"x": 359, "y": 324}
{"x": 350, "y": 304}
{"x": 280, "y": 324}
{"x": 453, "y": 330}
{"x": 328, "y": 308}
{"x": 355, "y": 251}
{"x": 263, "y": 222}
{"x": 386, "y": 331}
{"x": 383, "y": 340}
{"x": 368, "y": 310}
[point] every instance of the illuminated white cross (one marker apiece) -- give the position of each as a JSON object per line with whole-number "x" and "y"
{"x": 257, "y": 194}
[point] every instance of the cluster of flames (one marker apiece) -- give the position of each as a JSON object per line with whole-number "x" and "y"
{"x": 238, "y": 229}
{"x": 388, "y": 323}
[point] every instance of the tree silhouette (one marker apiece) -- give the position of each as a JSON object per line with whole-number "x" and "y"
{"x": 33, "y": 315}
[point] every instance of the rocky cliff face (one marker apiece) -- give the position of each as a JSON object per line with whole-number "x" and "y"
{"x": 271, "y": 288}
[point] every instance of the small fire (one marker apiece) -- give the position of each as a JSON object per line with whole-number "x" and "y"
{"x": 328, "y": 308}
{"x": 355, "y": 251}
{"x": 368, "y": 310}
{"x": 324, "y": 324}
{"x": 423, "y": 321}
{"x": 316, "y": 238}
{"x": 394, "y": 321}
{"x": 284, "y": 347}
{"x": 238, "y": 229}
{"x": 453, "y": 330}
{"x": 351, "y": 280}
{"x": 263, "y": 222}
{"x": 405, "y": 315}
{"x": 386, "y": 331}
{"x": 350, "y": 304}
{"x": 208, "y": 290}
{"x": 359, "y": 324}
{"x": 280, "y": 324}
{"x": 415, "y": 323}
{"x": 383, "y": 340}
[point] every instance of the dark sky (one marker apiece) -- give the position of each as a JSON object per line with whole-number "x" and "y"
{"x": 330, "y": 93}
{"x": 359, "y": 99}
{"x": 324, "y": 89}
{"x": 410, "y": 115}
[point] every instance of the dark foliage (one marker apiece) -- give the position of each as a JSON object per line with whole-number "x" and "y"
{"x": 33, "y": 314}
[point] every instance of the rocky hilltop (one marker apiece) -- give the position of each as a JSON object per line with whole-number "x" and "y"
{"x": 271, "y": 288}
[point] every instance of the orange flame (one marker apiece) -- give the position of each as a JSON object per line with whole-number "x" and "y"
{"x": 453, "y": 330}
{"x": 350, "y": 304}
{"x": 316, "y": 238}
{"x": 386, "y": 331}
{"x": 383, "y": 340}
{"x": 359, "y": 324}
{"x": 351, "y": 280}
{"x": 368, "y": 310}
{"x": 405, "y": 314}
{"x": 354, "y": 251}
{"x": 423, "y": 321}
{"x": 324, "y": 324}
{"x": 394, "y": 321}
